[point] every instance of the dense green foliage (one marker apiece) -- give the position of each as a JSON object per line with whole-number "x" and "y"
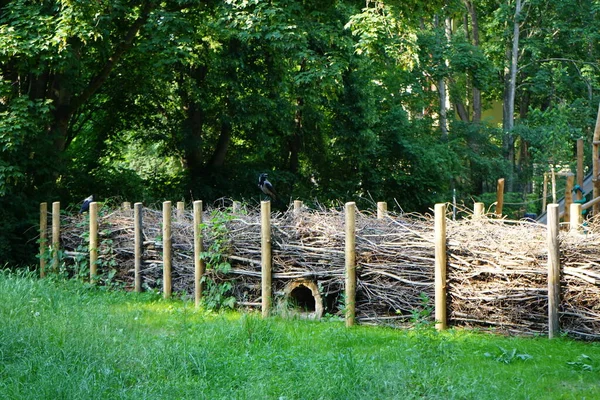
{"x": 145, "y": 101}
{"x": 63, "y": 340}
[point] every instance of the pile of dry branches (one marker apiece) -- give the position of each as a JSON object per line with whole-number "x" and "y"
{"x": 497, "y": 275}
{"x": 497, "y": 272}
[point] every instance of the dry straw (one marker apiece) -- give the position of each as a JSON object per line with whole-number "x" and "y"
{"x": 496, "y": 269}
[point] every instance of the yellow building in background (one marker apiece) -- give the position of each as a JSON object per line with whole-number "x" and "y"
{"x": 493, "y": 115}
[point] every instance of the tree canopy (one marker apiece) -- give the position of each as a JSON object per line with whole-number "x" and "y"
{"x": 143, "y": 100}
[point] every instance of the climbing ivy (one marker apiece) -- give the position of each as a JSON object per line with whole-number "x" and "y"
{"x": 217, "y": 294}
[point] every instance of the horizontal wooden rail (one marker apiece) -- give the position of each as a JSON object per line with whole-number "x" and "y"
{"x": 590, "y": 203}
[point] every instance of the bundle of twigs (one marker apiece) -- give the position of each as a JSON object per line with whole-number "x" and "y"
{"x": 394, "y": 258}
{"x": 497, "y": 269}
{"x": 580, "y": 284}
{"x": 394, "y": 255}
{"x": 304, "y": 246}
{"x": 116, "y": 246}
{"x": 497, "y": 275}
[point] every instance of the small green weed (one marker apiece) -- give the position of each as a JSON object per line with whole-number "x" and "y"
{"x": 217, "y": 294}
{"x": 583, "y": 363}
{"x": 421, "y": 317}
{"x": 508, "y": 356}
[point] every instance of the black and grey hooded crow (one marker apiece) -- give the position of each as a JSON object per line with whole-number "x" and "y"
{"x": 267, "y": 187}
{"x": 85, "y": 206}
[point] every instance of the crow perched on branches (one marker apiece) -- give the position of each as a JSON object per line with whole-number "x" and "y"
{"x": 86, "y": 204}
{"x": 267, "y": 187}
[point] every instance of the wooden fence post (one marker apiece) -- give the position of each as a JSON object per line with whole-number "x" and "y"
{"x": 569, "y": 197}
{"x": 596, "y": 163}
{"x": 55, "y": 234}
{"x": 198, "y": 249}
{"x": 350, "y": 261}
{"x": 440, "y": 267}
{"x": 500, "y": 197}
{"x": 454, "y": 204}
{"x": 576, "y": 218}
{"x": 478, "y": 211}
{"x": 236, "y": 208}
{"x": 265, "y": 255}
{"x": 138, "y": 244}
{"x": 297, "y": 207}
{"x": 43, "y": 237}
{"x": 93, "y": 215}
{"x": 381, "y": 210}
{"x": 545, "y": 191}
{"x": 180, "y": 210}
{"x": 553, "y": 271}
{"x": 553, "y": 174}
{"x": 580, "y": 167}
{"x": 126, "y": 206}
{"x": 167, "y": 287}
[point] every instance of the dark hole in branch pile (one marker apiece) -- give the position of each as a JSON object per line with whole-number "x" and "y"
{"x": 302, "y": 298}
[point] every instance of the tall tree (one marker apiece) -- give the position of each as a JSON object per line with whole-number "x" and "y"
{"x": 508, "y": 120}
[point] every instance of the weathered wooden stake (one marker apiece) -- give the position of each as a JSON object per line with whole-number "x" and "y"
{"x": 545, "y": 191}
{"x": 454, "y": 204}
{"x": 43, "y": 237}
{"x": 381, "y": 210}
{"x": 350, "y": 261}
{"x": 167, "y": 287}
{"x": 478, "y": 211}
{"x": 265, "y": 257}
{"x": 596, "y": 162}
{"x": 580, "y": 167}
{"x": 499, "y": 197}
{"x": 126, "y": 206}
{"x": 93, "y": 215}
{"x": 237, "y": 207}
{"x": 138, "y": 244}
{"x": 180, "y": 210}
{"x": 440, "y": 267}
{"x": 55, "y": 234}
{"x": 553, "y": 173}
{"x": 198, "y": 249}
{"x": 576, "y": 218}
{"x": 297, "y": 207}
{"x": 553, "y": 271}
{"x": 569, "y": 197}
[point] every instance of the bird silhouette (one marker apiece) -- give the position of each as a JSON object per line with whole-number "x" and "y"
{"x": 266, "y": 187}
{"x": 85, "y": 206}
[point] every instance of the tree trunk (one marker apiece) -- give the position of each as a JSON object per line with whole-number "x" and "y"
{"x": 193, "y": 125}
{"x": 66, "y": 103}
{"x": 474, "y": 101}
{"x": 508, "y": 121}
{"x": 295, "y": 143}
{"x": 475, "y": 31}
{"x": 192, "y": 142}
{"x": 218, "y": 157}
{"x": 441, "y": 84}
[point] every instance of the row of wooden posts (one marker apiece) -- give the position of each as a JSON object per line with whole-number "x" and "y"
{"x": 266, "y": 266}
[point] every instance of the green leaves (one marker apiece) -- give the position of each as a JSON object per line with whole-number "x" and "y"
{"x": 584, "y": 363}
{"x": 217, "y": 294}
{"x": 21, "y": 121}
{"x": 508, "y": 356}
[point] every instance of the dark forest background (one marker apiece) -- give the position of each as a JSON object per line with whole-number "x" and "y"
{"x": 401, "y": 101}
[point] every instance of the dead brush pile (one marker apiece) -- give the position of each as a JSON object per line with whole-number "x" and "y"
{"x": 497, "y": 272}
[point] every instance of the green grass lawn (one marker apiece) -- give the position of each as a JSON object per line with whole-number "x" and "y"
{"x": 61, "y": 340}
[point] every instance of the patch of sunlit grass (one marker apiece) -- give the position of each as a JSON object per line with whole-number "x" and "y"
{"x": 66, "y": 340}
